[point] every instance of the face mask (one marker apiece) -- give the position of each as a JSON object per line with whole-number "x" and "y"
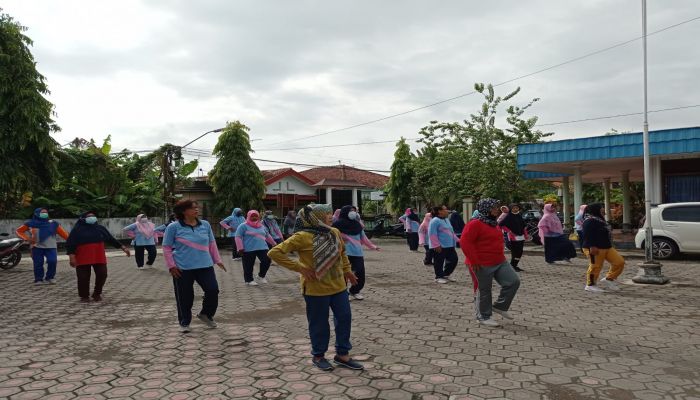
{"x": 43, "y": 215}
{"x": 91, "y": 220}
{"x": 144, "y": 220}
{"x": 270, "y": 216}
{"x": 352, "y": 215}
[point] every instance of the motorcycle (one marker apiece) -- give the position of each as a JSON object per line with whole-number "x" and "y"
{"x": 10, "y": 254}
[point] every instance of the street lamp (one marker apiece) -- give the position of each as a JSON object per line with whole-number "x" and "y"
{"x": 649, "y": 270}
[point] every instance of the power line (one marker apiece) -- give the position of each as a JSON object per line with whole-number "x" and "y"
{"x": 496, "y": 85}
{"x": 616, "y": 116}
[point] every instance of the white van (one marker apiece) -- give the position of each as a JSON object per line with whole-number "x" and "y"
{"x": 676, "y": 229}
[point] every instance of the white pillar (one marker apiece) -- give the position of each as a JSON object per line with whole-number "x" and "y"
{"x": 566, "y": 199}
{"x": 578, "y": 189}
{"x": 329, "y": 196}
{"x": 626, "y": 207}
{"x": 465, "y": 209}
{"x": 354, "y": 198}
{"x": 606, "y": 195}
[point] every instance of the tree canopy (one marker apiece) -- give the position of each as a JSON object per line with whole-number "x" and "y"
{"x": 398, "y": 188}
{"x": 28, "y": 156}
{"x": 235, "y": 179}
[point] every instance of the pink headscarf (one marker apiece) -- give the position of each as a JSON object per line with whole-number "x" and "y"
{"x": 147, "y": 228}
{"x": 408, "y": 211}
{"x": 426, "y": 222}
{"x": 550, "y": 221}
{"x": 336, "y": 214}
{"x": 254, "y": 224}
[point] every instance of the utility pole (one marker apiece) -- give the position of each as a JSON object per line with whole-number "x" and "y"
{"x": 649, "y": 270}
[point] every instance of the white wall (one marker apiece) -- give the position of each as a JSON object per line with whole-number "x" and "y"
{"x": 290, "y": 185}
{"x": 113, "y": 225}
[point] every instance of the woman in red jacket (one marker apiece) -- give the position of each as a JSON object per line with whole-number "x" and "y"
{"x": 482, "y": 244}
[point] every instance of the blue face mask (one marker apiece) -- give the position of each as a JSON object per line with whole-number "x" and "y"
{"x": 352, "y": 215}
{"x": 91, "y": 220}
{"x": 44, "y": 215}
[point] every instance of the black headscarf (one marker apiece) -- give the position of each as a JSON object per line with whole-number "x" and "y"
{"x": 84, "y": 233}
{"x": 484, "y": 206}
{"x": 345, "y": 224}
{"x": 412, "y": 215}
{"x": 514, "y": 222}
{"x": 595, "y": 210}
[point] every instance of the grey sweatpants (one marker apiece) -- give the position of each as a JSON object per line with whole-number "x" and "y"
{"x": 505, "y": 275}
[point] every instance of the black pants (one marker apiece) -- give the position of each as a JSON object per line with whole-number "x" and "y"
{"x": 184, "y": 293}
{"x": 234, "y": 251}
{"x": 412, "y": 239}
{"x": 429, "y": 254}
{"x": 445, "y": 262}
{"x": 83, "y": 273}
{"x": 358, "y": 268}
{"x": 516, "y": 251}
{"x": 249, "y": 262}
{"x": 139, "y": 252}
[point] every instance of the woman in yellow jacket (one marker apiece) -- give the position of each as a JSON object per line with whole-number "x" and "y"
{"x": 325, "y": 271}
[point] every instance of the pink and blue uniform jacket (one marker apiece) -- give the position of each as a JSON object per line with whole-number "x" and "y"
{"x": 253, "y": 239}
{"x": 190, "y": 247}
{"x": 408, "y": 224}
{"x": 441, "y": 234}
{"x": 353, "y": 244}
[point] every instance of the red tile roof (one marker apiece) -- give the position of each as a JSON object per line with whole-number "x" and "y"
{"x": 273, "y": 175}
{"x": 345, "y": 173}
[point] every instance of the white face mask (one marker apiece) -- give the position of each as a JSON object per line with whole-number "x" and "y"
{"x": 353, "y": 215}
{"x": 144, "y": 220}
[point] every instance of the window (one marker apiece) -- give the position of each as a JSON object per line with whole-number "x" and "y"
{"x": 682, "y": 214}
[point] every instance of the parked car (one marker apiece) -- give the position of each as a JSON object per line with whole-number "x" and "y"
{"x": 676, "y": 229}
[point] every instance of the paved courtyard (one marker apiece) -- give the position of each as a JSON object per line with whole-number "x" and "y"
{"x": 418, "y": 340}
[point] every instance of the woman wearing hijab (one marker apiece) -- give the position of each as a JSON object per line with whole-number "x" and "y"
{"x": 578, "y": 223}
{"x": 144, "y": 234}
{"x": 272, "y": 228}
{"x": 557, "y": 246}
{"x": 354, "y": 237}
{"x": 442, "y": 241}
{"x": 482, "y": 245}
{"x": 252, "y": 241}
{"x": 411, "y": 223}
{"x": 42, "y": 239}
{"x": 423, "y": 239}
{"x": 513, "y": 225}
{"x": 86, "y": 251}
{"x": 336, "y": 214}
{"x": 288, "y": 224}
{"x": 325, "y": 271}
{"x": 598, "y": 247}
{"x": 231, "y": 223}
{"x": 190, "y": 252}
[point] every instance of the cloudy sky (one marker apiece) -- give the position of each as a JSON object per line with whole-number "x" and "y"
{"x": 155, "y": 71}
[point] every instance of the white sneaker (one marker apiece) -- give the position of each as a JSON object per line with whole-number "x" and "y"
{"x": 263, "y": 280}
{"x": 441, "y": 280}
{"x": 610, "y": 285}
{"x": 594, "y": 289}
{"x": 489, "y": 322}
{"x": 504, "y": 314}
{"x": 358, "y": 296}
{"x": 39, "y": 283}
{"x": 252, "y": 283}
{"x": 450, "y": 278}
{"x": 185, "y": 329}
{"x": 51, "y": 281}
{"x": 208, "y": 321}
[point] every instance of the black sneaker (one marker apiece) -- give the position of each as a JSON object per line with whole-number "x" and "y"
{"x": 350, "y": 363}
{"x": 322, "y": 364}
{"x": 518, "y": 269}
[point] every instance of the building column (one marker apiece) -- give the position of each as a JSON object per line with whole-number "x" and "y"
{"x": 566, "y": 199}
{"x": 329, "y": 196}
{"x": 626, "y": 207}
{"x": 578, "y": 188}
{"x": 606, "y": 195}
{"x": 354, "y": 198}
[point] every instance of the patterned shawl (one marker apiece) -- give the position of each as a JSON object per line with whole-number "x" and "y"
{"x": 325, "y": 243}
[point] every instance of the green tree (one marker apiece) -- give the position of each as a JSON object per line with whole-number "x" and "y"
{"x": 399, "y": 186}
{"x": 28, "y": 159}
{"x": 476, "y": 157}
{"x": 236, "y": 180}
